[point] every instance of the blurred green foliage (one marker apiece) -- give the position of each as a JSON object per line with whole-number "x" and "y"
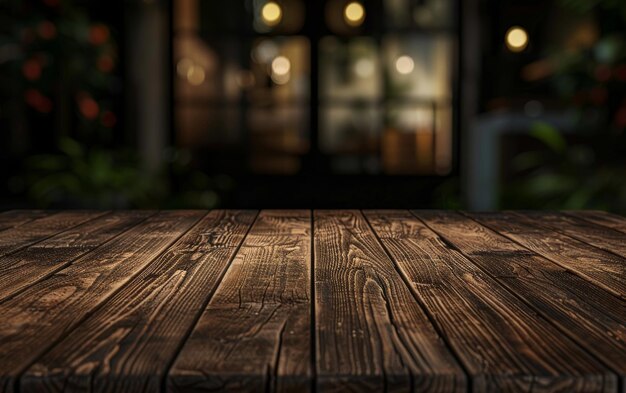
{"x": 64, "y": 63}
{"x": 96, "y": 178}
{"x": 586, "y": 170}
{"x": 99, "y": 178}
{"x": 566, "y": 176}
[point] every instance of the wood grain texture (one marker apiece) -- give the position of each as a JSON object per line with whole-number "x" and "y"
{"x": 35, "y": 319}
{"x": 19, "y": 237}
{"x": 128, "y": 344}
{"x": 371, "y": 335}
{"x": 254, "y": 334}
{"x": 501, "y": 341}
{"x": 14, "y": 218}
{"x": 604, "y": 269}
{"x": 26, "y": 267}
{"x": 598, "y": 236}
{"x": 608, "y": 220}
{"x": 590, "y": 316}
{"x": 334, "y": 301}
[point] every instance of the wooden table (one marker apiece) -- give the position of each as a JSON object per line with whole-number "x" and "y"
{"x": 299, "y": 300}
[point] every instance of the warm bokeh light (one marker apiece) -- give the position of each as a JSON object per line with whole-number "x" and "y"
{"x": 265, "y": 51}
{"x": 245, "y": 79}
{"x": 281, "y": 66}
{"x": 354, "y": 13}
{"x": 271, "y": 13}
{"x": 196, "y": 75}
{"x": 404, "y": 65}
{"x": 281, "y": 79}
{"x": 183, "y": 66}
{"x": 516, "y": 39}
{"x": 364, "y": 68}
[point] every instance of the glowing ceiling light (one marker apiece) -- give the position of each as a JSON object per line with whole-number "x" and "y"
{"x": 404, "y": 65}
{"x": 281, "y": 66}
{"x": 354, "y": 14}
{"x": 516, "y": 39}
{"x": 196, "y": 75}
{"x": 271, "y": 13}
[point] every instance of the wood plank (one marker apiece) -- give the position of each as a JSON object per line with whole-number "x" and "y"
{"x": 371, "y": 334}
{"x": 602, "y": 218}
{"x": 598, "y": 236}
{"x": 26, "y": 267}
{"x": 587, "y": 314}
{"x": 604, "y": 269}
{"x": 503, "y": 343}
{"x": 14, "y": 218}
{"x": 128, "y": 344}
{"x": 255, "y": 333}
{"x": 35, "y": 319}
{"x": 17, "y": 238}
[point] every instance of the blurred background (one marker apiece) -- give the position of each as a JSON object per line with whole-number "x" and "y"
{"x": 473, "y": 104}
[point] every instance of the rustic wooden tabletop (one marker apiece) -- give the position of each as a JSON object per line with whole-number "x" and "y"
{"x": 296, "y": 300}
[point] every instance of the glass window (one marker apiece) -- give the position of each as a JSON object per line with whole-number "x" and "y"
{"x": 374, "y": 78}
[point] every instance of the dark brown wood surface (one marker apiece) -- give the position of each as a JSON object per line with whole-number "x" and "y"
{"x": 372, "y": 333}
{"x": 14, "y": 218}
{"x": 471, "y": 309}
{"x": 299, "y": 300}
{"x": 255, "y": 331}
{"x": 605, "y": 269}
{"x": 589, "y": 315}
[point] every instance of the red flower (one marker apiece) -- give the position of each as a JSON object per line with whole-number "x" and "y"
{"x": 87, "y": 106}
{"x": 98, "y": 34}
{"x": 38, "y": 101}
{"x": 32, "y": 69}
{"x": 109, "y": 119}
{"x": 105, "y": 63}
{"x": 47, "y": 30}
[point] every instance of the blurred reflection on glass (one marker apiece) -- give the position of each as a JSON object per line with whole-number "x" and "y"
{"x": 350, "y": 129}
{"x": 422, "y": 13}
{"x": 350, "y": 69}
{"x": 279, "y": 137}
{"x": 281, "y": 68}
{"x": 206, "y": 71}
{"x": 215, "y": 127}
{"x": 279, "y": 104}
{"x": 242, "y": 77}
{"x": 419, "y": 66}
{"x": 351, "y": 135}
{"x": 417, "y": 139}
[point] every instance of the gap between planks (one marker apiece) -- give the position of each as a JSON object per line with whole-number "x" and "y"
{"x": 162, "y": 300}
{"x": 37, "y": 344}
{"x": 549, "y": 288}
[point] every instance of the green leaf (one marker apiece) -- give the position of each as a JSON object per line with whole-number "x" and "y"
{"x": 550, "y": 184}
{"x": 528, "y": 160}
{"x": 549, "y": 135}
{"x": 70, "y": 147}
